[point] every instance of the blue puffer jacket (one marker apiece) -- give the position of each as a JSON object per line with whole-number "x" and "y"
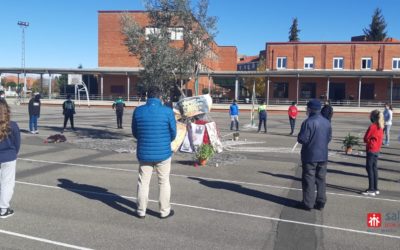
{"x": 315, "y": 135}
{"x": 154, "y": 127}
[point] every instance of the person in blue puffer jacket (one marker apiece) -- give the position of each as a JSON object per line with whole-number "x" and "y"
{"x": 154, "y": 127}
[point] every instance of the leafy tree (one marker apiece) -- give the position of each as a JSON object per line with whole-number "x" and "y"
{"x": 376, "y": 30}
{"x": 294, "y": 31}
{"x": 62, "y": 83}
{"x": 167, "y": 62}
{"x": 260, "y": 82}
{"x": 11, "y": 84}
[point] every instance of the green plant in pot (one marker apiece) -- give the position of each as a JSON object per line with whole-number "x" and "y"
{"x": 204, "y": 153}
{"x": 349, "y": 142}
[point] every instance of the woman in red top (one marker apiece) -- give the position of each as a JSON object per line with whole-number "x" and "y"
{"x": 292, "y": 112}
{"x": 373, "y": 138}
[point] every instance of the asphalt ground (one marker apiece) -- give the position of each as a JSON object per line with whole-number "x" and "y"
{"x": 81, "y": 194}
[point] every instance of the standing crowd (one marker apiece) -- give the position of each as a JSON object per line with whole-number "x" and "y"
{"x": 154, "y": 127}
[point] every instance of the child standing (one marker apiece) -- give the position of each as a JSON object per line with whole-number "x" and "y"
{"x": 234, "y": 113}
{"x": 388, "y": 116}
{"x": 373, "y": 138}
{"x": 10, "y": 142}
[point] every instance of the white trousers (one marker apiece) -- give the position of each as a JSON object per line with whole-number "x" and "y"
{"x": 163, "y": 169}
{"x": 7, "y": 183}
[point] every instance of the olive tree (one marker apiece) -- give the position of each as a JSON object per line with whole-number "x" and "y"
{"x": 167, "y": 60}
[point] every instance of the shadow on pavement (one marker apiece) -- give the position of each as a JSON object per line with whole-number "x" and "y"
{"x": 102, "y": 194}
{"x": 247, "y": 191}
{"x": 89, "y": 132}
{"x": 290, "y": 177}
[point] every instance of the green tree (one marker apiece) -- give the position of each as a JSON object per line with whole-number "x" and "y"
{"x": 259, "y": 81}
{"x": 165, "y": 63}
{"x": 294, "y": 31}
{"x": 62, "y": 83}
{"x": 377, "y": 28}
{"x": 11, "y": 84}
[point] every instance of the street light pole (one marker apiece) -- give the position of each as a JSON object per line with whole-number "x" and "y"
{"x": 23, "y": 26}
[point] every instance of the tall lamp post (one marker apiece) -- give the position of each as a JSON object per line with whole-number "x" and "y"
{"x": 23, "y": 26}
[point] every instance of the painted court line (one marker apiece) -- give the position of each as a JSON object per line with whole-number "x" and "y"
{"x": 228, "y": 212}
{"x": 43, "y": 240}
{"x": 213, "y": 179}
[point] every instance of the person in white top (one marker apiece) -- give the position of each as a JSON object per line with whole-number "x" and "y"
{"x": 388, "y": 116}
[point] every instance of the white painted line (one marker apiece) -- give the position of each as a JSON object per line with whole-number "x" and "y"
{"x": 229, "y": 212}
{"x": 77, "y": 165}
{"x": 43, "y": 240}
{"x": 213, "y": 179}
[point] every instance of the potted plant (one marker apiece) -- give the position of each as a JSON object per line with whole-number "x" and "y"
{"x": 349, "y": 142}
{"x": 204, "y": 153}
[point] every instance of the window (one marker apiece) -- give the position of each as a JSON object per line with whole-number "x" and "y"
{"x": 151, "y": 31}
{"x": 118, "y": 89}
{"x": 176, "y": 33}
{"x": 396, "y": 63}
{"x": 308, "y": 62}
{"x": 281, "y": 90}
{"x": 338, "y": 63}
{"x": 281, "y": 62}
{"x": 368, "y": 91}
{"x": 366, "y": 63}
{"x": 308, "y": 90}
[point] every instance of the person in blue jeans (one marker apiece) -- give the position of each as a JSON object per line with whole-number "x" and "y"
{"x": 34, "y": 113}
{"x": 234, "y": 113}
{"x": 10, "y": 142}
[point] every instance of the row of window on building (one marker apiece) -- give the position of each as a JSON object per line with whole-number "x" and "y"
{"x": 247, "y": 66}
{"x": 338, "y": 63}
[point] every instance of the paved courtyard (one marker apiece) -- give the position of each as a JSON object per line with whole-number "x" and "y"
{"x": 81, "y": 194}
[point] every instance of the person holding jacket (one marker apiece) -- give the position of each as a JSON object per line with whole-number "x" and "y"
{"x": 373, "y": 139}
{"x": 10, "y": 142}
{"x": 154, "y": 127}
{"x": 234, "y": 113}
{"x": 119, "y": 106}
{"x": 388, "y": 116}
{"x": 262, "y": 116}
{"x": 292, "y": 112}
{"x": 34, "y": 113}
{"x": 315, "y": 135}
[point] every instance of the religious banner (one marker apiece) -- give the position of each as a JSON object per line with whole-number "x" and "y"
{"x": 213, "y": 136}
{"x": 192, "y": 106}
{"x": 180, "y": 136}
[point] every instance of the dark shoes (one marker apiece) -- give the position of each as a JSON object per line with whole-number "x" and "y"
{"x": 302, "y": 206}
{"x": 319, "y": 205}
{"x": 7, "y": 214}
{"x": 171, "y": 213}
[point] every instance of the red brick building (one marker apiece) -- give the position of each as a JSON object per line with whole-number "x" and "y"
{"x": 114, "y": 54}
{"x": 339, "y": 71}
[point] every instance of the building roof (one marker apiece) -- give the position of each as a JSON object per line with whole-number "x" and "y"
{"x": 340, "y": 42}
{"x": 84, "y": 71}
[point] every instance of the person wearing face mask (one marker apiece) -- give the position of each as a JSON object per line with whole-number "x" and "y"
{"x": 314, "y": 136}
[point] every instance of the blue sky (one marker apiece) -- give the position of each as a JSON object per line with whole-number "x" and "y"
{"x": 63, "y": 33}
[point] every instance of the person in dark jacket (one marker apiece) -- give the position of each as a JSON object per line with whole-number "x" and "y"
{"x": 34, "y": 113}
{"x": 315, "y": 135}
{"x": 10, "y": 142}
{"x": 234, "y": 113}
{"x": 262, "y": 116}
{"x": 68, "y": 112}
{"x": 119, "y": 106}
{"x": 154, "y": 127}
{"x": 327, "y": 110}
